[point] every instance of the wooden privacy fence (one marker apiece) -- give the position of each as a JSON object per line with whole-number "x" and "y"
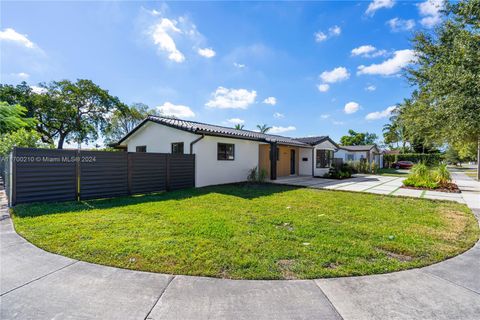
{"x": 65, "y": 175}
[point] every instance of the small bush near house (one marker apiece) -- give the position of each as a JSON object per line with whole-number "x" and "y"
{"x": 255, "y": 175}
{"x": 342, "y": 171}
{"x": 363, "y": 166}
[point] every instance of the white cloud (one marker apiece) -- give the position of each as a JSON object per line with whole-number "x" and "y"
{"x": 225, "y": 98}
{"x": 277, "y": 130}
{"x": 206, "y": 52}
{"x": 378, "y": 4}
{"x": 323, "y": 87}
{"x": 236, "y": 121}
{"x": 380, "y": 114}
{"x": 180, "y": 111}
{"x": 336, "y": 75}
{"x": 161, "y": 34}
{"x": 278, "y": 115}
{"x": 333, "y": 31}
{"x": 38, "y": 90}
{"x": 338, "y": 123}
{"x": 367, "y": 51}
{"x": 400, "y": 59}
{"x": 324, "y": 116}
{"x": 238, "y": 65}
{"x": 371, "y": 88}
{"x": 430, "y": 11}
{"x": 397, "y": 24}
{"x": 270, "y": 100}
{"x": 9, "y": 34}
{"x": 351, "y": 107}
{"x": 320, "y": 36}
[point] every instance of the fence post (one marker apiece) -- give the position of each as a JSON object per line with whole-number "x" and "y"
{"x": 77, "y": 174}
{"x": 167, "y": 176}
{"x": 13, "y": 181}
{"x": 129, "y": 171}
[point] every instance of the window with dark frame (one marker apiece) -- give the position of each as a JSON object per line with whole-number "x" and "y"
{"x": 177, "y": 148}
{"x": 141, "y": 149}
{"x": 225, "y": 151}
{"x": 324, "y": 158}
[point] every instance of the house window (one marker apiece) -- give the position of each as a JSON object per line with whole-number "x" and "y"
{"x": 141, "y": 149}
{"x": 225, "y": 151}
{"x": 324, "y": 158}
{"x": 349, "y": 157}
{"x": 177, "y": 148}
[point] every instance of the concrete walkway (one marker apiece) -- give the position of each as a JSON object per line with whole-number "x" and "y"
{"x": 368, "y": 183}
{"x": 35, "y": 284}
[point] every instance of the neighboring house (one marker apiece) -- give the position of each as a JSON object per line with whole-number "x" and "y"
{"x": 323, "y": 150}
{"x": 355, "y": 153}
{"x": 222, "y": 155}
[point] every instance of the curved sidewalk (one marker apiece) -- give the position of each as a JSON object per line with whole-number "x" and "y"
{"x": 35, "y": 284}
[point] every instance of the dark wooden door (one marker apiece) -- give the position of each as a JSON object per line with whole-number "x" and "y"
{"x": 292, "y": 161}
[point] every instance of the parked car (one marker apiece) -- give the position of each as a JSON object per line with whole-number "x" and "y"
{"x": 402, "y": 164}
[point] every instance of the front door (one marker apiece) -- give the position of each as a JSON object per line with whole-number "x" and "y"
{"x": 292, "y": 161}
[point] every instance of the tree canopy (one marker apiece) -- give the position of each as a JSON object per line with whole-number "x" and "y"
{"x": 123, "y": 120}
{"x": 358, "y": 138}
{"x": 445, "y": 107}
{"x": 12, "y": 118}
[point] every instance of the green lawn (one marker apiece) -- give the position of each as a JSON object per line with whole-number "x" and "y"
{"x": 253, "y": 232}
{"x": 392, "y": 172}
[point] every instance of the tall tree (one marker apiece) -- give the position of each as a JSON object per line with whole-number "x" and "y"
{"x": 263, "y": 128}
{"x": 124, "y": 120}
{"x": 74, "y": 111}
{"x": 358, "y": 138}
{"x": 12, "y": 118}
{"x": 447, "y": 75}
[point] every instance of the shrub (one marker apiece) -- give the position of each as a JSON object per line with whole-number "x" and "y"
{"x": 442, "y": 175}
{"x": 363, "y": 166}
{"x": 339, "y": 172}
{"x": 262, "y": 175}
{"x": 254, "y": 175}
{"x": 422, "y": 177}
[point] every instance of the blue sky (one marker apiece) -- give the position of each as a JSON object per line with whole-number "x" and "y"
{"x": 306, "y": 68}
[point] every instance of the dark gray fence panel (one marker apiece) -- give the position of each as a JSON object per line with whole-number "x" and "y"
{"x": 181, "y": 171}
{"x": 103, "y": 174}
{"x": 148, "y": 172}
{"x": 43, "y": 175}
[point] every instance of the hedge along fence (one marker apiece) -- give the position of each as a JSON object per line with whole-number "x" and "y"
{"x": 67, "y": 175}
{"x": 430, "y": 159}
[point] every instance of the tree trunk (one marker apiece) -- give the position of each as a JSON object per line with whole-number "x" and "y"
{"x": 61, "y": 140}
{"x": 478, "y": 160}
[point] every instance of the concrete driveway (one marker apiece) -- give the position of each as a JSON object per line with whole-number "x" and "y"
{"x": 35, "y": 284}
{"x": 368, "y": 183}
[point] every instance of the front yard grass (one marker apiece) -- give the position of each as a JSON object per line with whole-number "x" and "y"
{"x": 253, "y": 232}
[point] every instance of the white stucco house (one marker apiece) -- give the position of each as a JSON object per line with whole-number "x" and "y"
{"x": 225, "y": 155}
{"x": 370, "y": 153}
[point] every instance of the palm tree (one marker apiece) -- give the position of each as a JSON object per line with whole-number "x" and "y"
{"x": 263, "y": 128}
{"x": 239, "y": 126}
